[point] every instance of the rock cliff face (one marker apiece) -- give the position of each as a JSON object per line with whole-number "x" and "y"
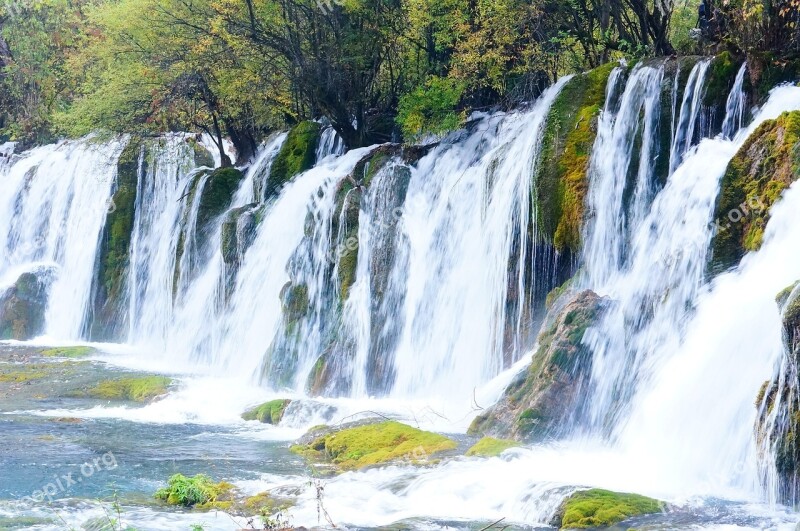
{"x": 541, "y": 400}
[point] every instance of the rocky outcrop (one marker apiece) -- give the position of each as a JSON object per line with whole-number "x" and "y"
{"x": 767, "y": 70}
{"x": 569, "y": 135}
{"x": 764, "y": 167}
{"x": 778, "y": 423}
{"x": 114, "y": 250}
{"x": 23, "y": 305}
{"x": 297, "y": 155}
{"x": 269, "y": 413}
{"x": 541, "y": 400}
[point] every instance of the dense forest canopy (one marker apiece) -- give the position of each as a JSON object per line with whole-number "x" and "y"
{"x": 377, "y": 69}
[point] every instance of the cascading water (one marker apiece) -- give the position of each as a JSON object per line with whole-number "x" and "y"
{"x": 162, "y": 196}
{"x": 57, "y": 223}
{"x": 686, "y": 129}
{"x": 655, "y": 348}
{"x": 612, "y": 179}
{"x": 466, "y": 213}
{"x": 657, "y": 258}
{"x": 735, "y": 106}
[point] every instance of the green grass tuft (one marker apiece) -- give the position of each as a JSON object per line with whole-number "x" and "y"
{"x": 199, "y": 490}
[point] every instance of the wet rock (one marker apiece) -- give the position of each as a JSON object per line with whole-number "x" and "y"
{"x": 778, "y": 424}
{"x": 297, "y": 155}
{"x": 541, "y": 399}
{"x": 23, "y": 305}
{"x": 109, "y": 314}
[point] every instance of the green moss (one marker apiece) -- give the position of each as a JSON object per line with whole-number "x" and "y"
{"x": 566, "y": 149}
{"x": 491, "y": 447}
{"x": 269, "y": 413}
{"x": 297, "y": 154}
{"x": 295, "y": 301}
{"x": 115, "y": 244}
{"x": 23, "y": 306}
{"x": 68, "y": 352}
{"x": 603, "y": 508}
{"x": 198, "y": 491}
{"x": 217, "y": 195}
{"x": 755, "y": 179}
{"x": 719, "y": 79}
{"x": 134, "y": 388}
{"x": 23, "y": 375}
{"x": 374, "y": 444}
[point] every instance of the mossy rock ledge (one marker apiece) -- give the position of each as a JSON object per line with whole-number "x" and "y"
{"x": 369, "y": 443}
{"x": 114, "y": 248}
{"x": 539, "y": 400}
{"x": 566, "y": 149}
{"x": 490, "y": 447}
{"x": 128, "y": 389}
{"x": 298, "y": 154}
{"x": 598, "y": 508}
{"x": 766, "y": 165}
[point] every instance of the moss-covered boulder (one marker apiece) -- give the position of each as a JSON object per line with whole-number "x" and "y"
{"x": 598, "y": 508}
{"x": 269, "y": 412}
{"x": 110, "y": 319}
{"x": 359, "y": 446}
{"x": 540, "y": 399}
{"x": 490, "y": 447}
{"x": 763, "y": 168}
{"x": 23, "y": 305}
{"x": 297, "y": 155}
{"x": 565, "y": 152}
{"x": 129, "y": 389}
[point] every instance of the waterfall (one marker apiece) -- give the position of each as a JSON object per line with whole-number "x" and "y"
{"x": 686, "y": 130}
{"x": 254, "y": 186}
{"x": 164, "y": 192}
{"x": 612, "y": 179}
{"x": 735, "y": 105}
{"x": 670, "y": 343}
{"x": 466, "y": 215}
{"x": 330, "y": 143}
{"x": 57, "y": 222}
{"x": 247, "y": 331}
